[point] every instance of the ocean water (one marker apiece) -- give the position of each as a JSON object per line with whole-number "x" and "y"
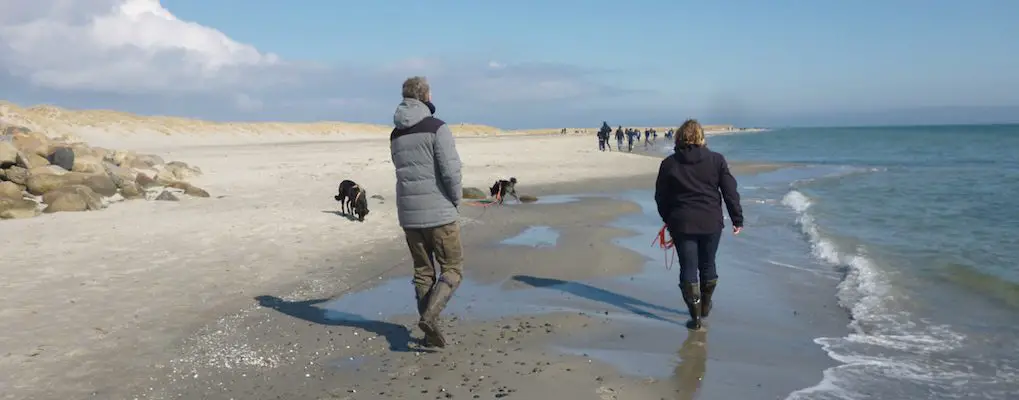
{"x": 920, "y": 227}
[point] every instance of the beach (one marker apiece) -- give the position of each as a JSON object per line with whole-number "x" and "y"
{"x": 262, "y": 290}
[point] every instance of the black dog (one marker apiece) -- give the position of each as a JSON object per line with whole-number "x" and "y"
{"x": 502, "y": 187}
{"x": 353, "y": 199}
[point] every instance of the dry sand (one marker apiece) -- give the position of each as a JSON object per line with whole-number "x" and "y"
{"x": 89, "y": 296}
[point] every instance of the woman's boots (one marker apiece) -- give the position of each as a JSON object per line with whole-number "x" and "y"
{"x": 692, "y": 298}
{"x": 707, "y": 289}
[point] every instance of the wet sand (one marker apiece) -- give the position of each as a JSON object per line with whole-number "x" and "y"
{"x": 573, "y": 309}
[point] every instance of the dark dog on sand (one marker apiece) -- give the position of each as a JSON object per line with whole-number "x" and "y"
{"x": 353, "y": 199}
{"x": 503, "y": 187}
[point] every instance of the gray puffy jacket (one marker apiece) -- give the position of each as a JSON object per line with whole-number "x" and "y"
{"x": 428, "y": 179}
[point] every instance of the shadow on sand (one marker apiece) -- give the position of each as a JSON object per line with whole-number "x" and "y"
{"x": 597, "y": 294}
{"x": 692, "y": 365}
{"x": 349, "y": 217}
{"x": 398, "y": 336}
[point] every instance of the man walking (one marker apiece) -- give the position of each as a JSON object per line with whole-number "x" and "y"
{"x": 428, "y": 195}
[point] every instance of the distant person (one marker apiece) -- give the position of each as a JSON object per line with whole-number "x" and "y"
{"x": 692, "y": 184}
{"x": 619, "y": 139}
{"x": 647, "y": 138}
{"x": 630, "y": 135}
{"x": 428, "y": 195}
{"x": 603, "y": 135}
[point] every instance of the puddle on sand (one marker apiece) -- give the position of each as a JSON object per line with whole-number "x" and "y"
{"x": 534, "y": 236}
{"x": 649, "y": 313}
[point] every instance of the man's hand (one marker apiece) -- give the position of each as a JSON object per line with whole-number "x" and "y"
{"x": 736, "y": 230}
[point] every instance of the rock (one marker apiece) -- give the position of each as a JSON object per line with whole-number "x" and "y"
{"x": 378, "y": 197}
{"x": 39, "y": 184}
{"x": 474, "y": 193}
{"x": 118, "y": 157}
{"x": 47, "y": 169}
{"x": 528, "y": 199}
{"x": 17, "y": 175}
{"x": 73, "y": 198}
{"x": 11, "y": 130}
{"x": 83, "y": 150}
{"x": 63, "y": 157}
{"x": 31, "y": 160}
{"x": 32, "y": 143}
{"x": 8, "y": 154}
{"x": 189, "y": 189}
{"x": 17, "y": 208}
{"x": 3, "y": 174}
{"x": 145, "y": 181}
{"x": 88, "y": 164}
{"x": 121, "y": 176}
{"x": 167, "y": 196}
{"x": 132, "y": 190}
{"x": 177, "y": 171}
{"x": 144, "y": 161}
{"x": 11, "y": 190}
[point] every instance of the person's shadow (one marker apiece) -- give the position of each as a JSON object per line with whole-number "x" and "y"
{"x": 693, "y": 363}
{"x": 398, "y": 336}
{"x": 597, "y": 294}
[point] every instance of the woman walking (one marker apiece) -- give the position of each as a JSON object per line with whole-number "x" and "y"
{"x": 692, "y": 184}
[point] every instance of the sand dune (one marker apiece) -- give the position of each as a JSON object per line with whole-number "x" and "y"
{"x": 99, "y": 125}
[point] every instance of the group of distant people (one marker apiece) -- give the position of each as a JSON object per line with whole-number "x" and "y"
{"x": 631, "y": 135}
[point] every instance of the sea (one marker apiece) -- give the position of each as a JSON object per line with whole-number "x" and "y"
{"x": 920, "y": 226}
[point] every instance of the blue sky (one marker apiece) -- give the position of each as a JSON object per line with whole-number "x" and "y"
{"x": 568, "y": 63}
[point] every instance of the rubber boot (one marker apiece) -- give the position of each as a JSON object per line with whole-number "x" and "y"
{"x": 421, "y": 295}
{"x": 707, "y": 289}
{"x": 429, "y": 323}
{"x": 692, "y": 298}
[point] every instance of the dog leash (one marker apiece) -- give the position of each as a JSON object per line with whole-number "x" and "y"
{"x": 666, "y": 245}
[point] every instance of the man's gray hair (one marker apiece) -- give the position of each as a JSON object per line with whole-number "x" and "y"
{"x": 416, "y": 87}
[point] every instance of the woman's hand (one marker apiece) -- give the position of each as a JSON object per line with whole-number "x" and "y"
{"x": 736, "y": 230}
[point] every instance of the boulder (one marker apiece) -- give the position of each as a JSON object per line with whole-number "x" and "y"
{"x": 83, "y": 150}
{"x": 17, "y": 208}
{"x": 121, "y": 176}
{"x": 11, "y": 190}
{"x": 32, "y": 143}
{"x": 63, "y": 157}
{"x": 189, "y": 189}
{"x": 39, "y": 184}
{"x": 17, "y": 175}
{"x": 474, "y": 193}
{"x": 47, "y": 170}
{"x": 145, "y": 161}
{"x": 11, "y": 130}
{"x": 177, "y": 171}
{"x": 8, "y": 154}
{"x": 145, "y": 181}
{"x": 73, "y": 198}
{"x": 118, "y": 157}
{"x": 132, "y": 190}
{"x": 31, "y": 160}
{"x": 88, "y": 164}
{"x": 167, "y": 196}
{"x": 528, "y": 198}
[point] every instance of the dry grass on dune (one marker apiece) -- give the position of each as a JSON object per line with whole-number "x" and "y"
{"x": 57, "y": 121}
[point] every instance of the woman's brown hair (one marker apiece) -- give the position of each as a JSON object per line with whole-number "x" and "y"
{"x": 691, "y": 133}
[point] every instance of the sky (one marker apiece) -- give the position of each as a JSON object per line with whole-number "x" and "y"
{"x": 522, "y": 63}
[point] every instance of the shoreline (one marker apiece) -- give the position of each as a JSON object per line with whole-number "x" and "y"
{"x": 528, "y": 349}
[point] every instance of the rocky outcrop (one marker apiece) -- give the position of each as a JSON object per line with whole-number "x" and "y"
{"x": 39, "y": 174}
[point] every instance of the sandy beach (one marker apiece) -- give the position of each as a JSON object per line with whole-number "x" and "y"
{"x": 222, "y": 297}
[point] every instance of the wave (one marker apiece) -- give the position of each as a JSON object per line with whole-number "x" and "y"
{"x": 889, "y": 353}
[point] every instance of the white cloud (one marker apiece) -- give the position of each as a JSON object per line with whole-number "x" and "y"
{"x": 137, "y": 53}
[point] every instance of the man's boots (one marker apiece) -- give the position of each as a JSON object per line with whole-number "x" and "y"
{"x": 692, "y": 298}
{"x": 707, "y": 289}
{"x": 429, "y": 323}
{"x": 421, "y": 295}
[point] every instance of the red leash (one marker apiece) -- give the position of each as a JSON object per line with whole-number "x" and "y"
{"x": 666, "y": 245}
